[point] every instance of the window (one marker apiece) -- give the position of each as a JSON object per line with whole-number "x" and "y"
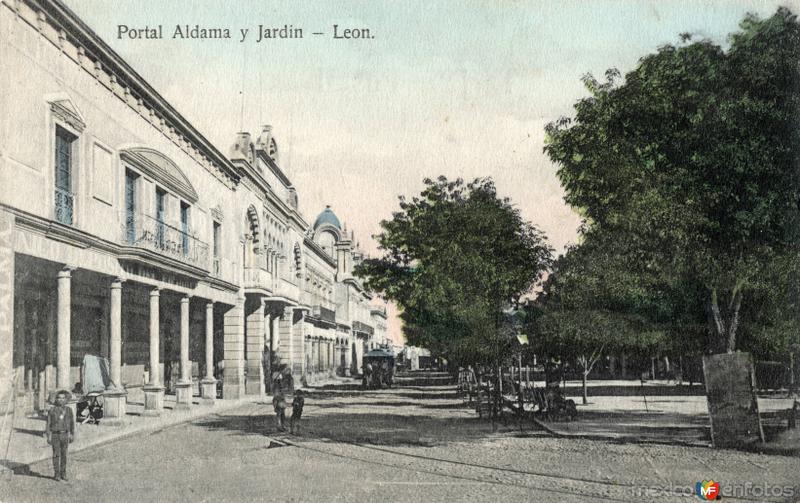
{"x": 216, "y": 245}
{"x": 130, "y": 206}
{"x": 185, "y": 228}
{"x": 64, "y": 198}
{"x": 161, "y": 202}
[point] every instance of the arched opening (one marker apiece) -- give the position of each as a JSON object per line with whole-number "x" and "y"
{"x": 252, "y": 237}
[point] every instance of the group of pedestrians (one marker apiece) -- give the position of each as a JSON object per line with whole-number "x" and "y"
{"x": 60, "y": 427}
{"x": 279, "y": 404}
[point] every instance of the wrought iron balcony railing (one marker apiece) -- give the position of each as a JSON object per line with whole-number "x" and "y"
{"x": 323, "y": 313}
{"x": 363, "y": 328}
{"x": 65, "y": 203}
{"x": 144, "y": 231}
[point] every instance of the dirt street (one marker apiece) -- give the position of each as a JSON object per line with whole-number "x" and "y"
{"x": 415, "y": 443}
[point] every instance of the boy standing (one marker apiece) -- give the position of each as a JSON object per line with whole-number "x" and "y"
{"x": 297, "y": 411}
{"x": 279, "y": 403}
{"x": 60, "y": 432}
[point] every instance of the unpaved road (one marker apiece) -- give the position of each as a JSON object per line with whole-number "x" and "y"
{"x": 405, "y": 444}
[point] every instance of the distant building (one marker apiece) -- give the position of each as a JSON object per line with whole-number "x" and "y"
{"x": 125, "y": 233}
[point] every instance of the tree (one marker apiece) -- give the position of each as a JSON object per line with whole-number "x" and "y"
{"x": 591, "y": 306}
{"x": 691, "y": 163}
{"x": 453, "y": 258}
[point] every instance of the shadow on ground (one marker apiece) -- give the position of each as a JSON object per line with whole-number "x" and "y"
{"x": 384, "y": 429}
{"x": 647, "y": 390}
{"x": 22, "y": 469}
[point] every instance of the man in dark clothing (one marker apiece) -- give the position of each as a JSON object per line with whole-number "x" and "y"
{"x": 60, "y": 432}
{"x": 297, "y": 411}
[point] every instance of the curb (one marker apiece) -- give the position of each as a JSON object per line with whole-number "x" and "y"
{"x": 15, "y": 467}
{"x": 617, "y": 440}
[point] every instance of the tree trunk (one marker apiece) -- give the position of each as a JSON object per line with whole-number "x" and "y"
{"x": 585, "y": 393}
{"x": 521, "y": 395}
{"x": 725, "y": 320}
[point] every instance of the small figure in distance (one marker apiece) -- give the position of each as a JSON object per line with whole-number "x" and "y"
{"x": 297, "y": 412}
{"x": 60, "y": 432}
{"x": 279, "y": 403}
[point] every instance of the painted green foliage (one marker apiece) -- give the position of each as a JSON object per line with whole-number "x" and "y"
{"x": 453, "y": 258}
{"x": 690, "y": 165}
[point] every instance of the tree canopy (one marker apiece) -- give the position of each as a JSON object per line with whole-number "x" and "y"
{"x": 688, "y": 166}
{"x": 454, "y": 258}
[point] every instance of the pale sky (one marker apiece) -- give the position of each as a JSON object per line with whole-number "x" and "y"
{"x": 460, "y": 88}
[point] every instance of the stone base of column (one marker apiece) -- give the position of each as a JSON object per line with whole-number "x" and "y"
{"x": 183, "y": 395}
{"x": 208, "y": 391}
{"x": 153, "y": 400}
{"x": 254, "y": 385}
{"x": 115, "y": 406}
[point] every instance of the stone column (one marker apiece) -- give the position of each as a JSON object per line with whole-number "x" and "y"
{"x": 153, "y": 391}
{"x": 115, "y": 397}
{"x": 254, "y": 384}
{"x": 282, "y": 330}
{"x": 115, "y": 333}
{"x": 233, "y": 373}
{"x": 332, "y": 358}
{"x": 183, "y": 388}
{"x": 208, "y": 386}
{"x": 348, "y": 355}
{"x": 6, "y": 326}
{"x": 63, "y": 326}
{"x": 275, "y": 331}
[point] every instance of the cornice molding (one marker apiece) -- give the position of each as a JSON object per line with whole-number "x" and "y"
{"x": 77, "y": 41}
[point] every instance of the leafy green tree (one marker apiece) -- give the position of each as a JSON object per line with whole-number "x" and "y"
{"x": 592, "y": 306}
{"x": 691, "y": 163}
{"x": 453, "y": 258}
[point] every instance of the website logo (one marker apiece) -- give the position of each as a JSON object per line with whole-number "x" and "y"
{"x": 707, "y": 490}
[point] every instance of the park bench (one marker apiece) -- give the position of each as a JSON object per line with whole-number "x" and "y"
{"x": 789, "y": 415}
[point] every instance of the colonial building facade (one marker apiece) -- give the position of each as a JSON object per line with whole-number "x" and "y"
{"x": 125, "y": 233}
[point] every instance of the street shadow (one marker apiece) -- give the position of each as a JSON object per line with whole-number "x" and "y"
{"x": 451, "y": 395}
{"x": 22, "y": 469}
{"x": 332, "y": 394}
{"x": 457, "y": 405}
{"x": 642, "y": 425}
{"x": 27, "y": 431}
{"x": 339, "y": 387}
{"x": 378, "y": 403}
{"x": 260, "y": 424}
{"x": 380, "y": 429}
{"x": 647, "y": 390}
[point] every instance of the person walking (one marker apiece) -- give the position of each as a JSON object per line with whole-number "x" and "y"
{"x": 60, "y": 432}
{"x": 297, "y": 412}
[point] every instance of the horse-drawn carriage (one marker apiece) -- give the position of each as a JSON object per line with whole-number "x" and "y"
{"x": 378, "y": 369}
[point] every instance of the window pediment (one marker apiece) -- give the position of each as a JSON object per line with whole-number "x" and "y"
{"x": 162, "y": 169}
{"x": 65, "y": 111}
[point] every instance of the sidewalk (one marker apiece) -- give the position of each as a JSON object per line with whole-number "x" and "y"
{"x": 657, "y": 413}
{"x": 27, "y": 444}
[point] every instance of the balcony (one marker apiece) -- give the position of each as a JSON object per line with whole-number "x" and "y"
{"x": 145, "y": 232}
{"x": 363, "y": 329}
{"x": 258, "y": 280}
{"x": 322, "y": 310}
{"x": 285, "y": 289}
{"x": 65, "y": 202}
